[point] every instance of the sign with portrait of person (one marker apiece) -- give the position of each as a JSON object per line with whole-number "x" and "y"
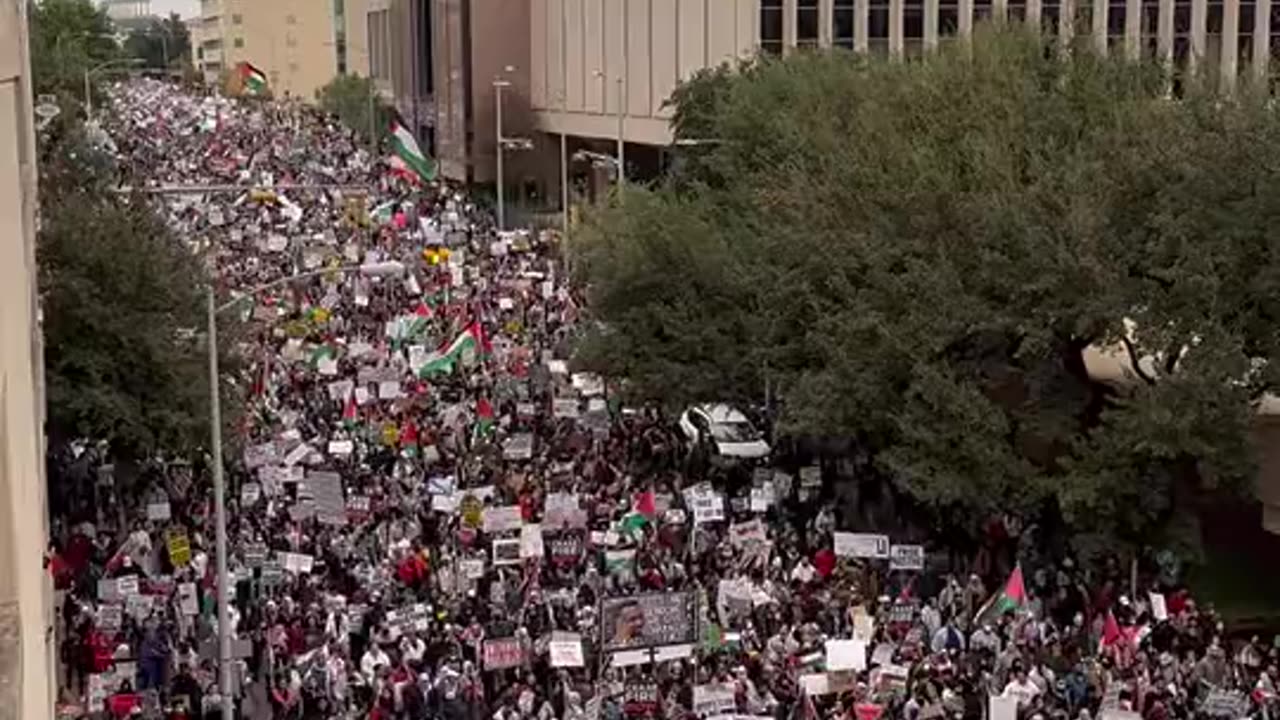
{"x": 650, "y": 620}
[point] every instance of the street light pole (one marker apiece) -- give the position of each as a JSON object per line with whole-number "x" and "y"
{"x": 219, "y": 482}
{"x": 88, "y": 90}
{"x": 622, "y": 145}
{"x": 219, "y": 511}
{"x": 564, "y": 137}
{"x": 497, "y": 99}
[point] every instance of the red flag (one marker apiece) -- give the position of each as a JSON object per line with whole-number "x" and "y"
{"x": 408, "y": 434}
{"x": 349, "y": 409}
{"x": 868, "y": 711}
{"x": 645, "y": 504}
{"x": 1111, "y": 634}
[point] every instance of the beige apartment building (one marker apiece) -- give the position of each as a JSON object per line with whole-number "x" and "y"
{"x": 27, "y": 652}
{"x": 300, "y": 44}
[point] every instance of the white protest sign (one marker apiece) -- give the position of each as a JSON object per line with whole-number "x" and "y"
{"x": 472, "y": 569}
{"x": 188, "y": 601}
{"x": 389, "y": 390}
{"x": 906, "y": 557}
{"x": 502, "y": 519}
{"x": 714, "y": 698}
{"x": 708, "y": 508}
{"x": 846, "y": 655}
{"x": 1002, "y": 708}
{"x": 566, "y": 653}
{"x": 341, "y": 448}
{"x": 1159, "y": 610}
{"x": 126, "y": 586}
{"x": 762, "y": 498}
{"x": 861, "y": 545}
{"x": 531, "y": 545}
{"x": 249, "y": 493}
{"x": 444, "y": 503}
{"x": 295, "y": 562}
{"x": 158, "y": 511}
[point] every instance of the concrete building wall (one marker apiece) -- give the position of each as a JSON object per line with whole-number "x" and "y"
{"x": 292, "y": 41}
{"x": 27, "y": 675}
{"x": 591, "y": 60}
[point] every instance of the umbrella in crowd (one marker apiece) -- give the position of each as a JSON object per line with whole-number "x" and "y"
{"x": 431, "y": 516}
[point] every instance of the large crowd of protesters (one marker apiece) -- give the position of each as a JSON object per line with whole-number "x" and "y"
{"x": 432, "y": 516}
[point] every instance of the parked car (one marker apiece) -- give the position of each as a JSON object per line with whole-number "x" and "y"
{"x": 724, "y": 429}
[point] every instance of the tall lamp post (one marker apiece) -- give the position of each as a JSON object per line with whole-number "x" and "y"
{"x": 88, "y": 89}
{"x": 382, "y": 269}
{"x": 503, "y": 143}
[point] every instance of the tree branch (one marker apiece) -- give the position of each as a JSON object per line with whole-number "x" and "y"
{"x": 1134, "y": 361}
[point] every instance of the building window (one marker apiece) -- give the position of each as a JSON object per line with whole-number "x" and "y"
{"x": 290, "y": 20}
{"x": 236, "y": 19}
{"x": 878, "y": 27}
{"x": 807, "y": 23}
{"x": 771, "y": 26}
{"x": 290, "y": 40}
{"x": 339, "y": 9}
{"x": 377, "y": 45}
{"x": 293, "y": 67}
{"x": 238, "y": 42}
{"x": 842, "y": 24}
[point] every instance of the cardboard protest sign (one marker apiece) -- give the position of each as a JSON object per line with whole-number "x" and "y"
{"x": 255, "y": 554}
{"x": 566, "y": 408}
{"x": 158, "y": 511}
{"x": 708, "y": 508}
{"x": 566, "y": 651}
{"x": 448, "y": 504}
{"x": 566, "y": 548}
{"x": 640, "y": 698}
{"x": 518, "y": 447}
{"x": 714, "y": 698}
{"x": 502, "y": 519}
{"x": 188, "y": 600}
{"x": 1159, "y": 610}
{"x": 179, "y": 547}
{"x": 861, "y": 545}
{"x": 762, "y": 497}
{"x": 846, "y": 655}
{"x": 110, "y": 616}
{"x": 325, "y": 488}
{"x": 472, "y": 569}
{"x": 297, "y": 563}
{"x": 531, "y": 545}
{"x": 250, "y": 492}
{"x": 503, "y": 653}
{"x": 744, "y": 534}
{"x": 906, "y": 557}
{"x": 1002, "y": 708}
{"x": 506, "y": 551}
{"x": 561, "y": 510}
{"x": 648, "y": 620}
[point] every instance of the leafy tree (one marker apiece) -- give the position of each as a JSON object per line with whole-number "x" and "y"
{"x": 122, "y": 318}
{"x": 68, "y": 37}
{"x": 918, "y": 255}
{"x": 162, "y": 43}
{"x": 354, "y": 100}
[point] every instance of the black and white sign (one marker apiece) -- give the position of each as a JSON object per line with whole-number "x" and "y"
{"x": 906, "y": 557}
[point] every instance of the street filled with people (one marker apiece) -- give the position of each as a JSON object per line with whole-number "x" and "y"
{"x": 431, "y": 513}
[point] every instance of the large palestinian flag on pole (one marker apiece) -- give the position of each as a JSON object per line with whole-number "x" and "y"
{"x": 252, "y": 80}
{"x": 1012, "y": 597}
{"x": 408, "y": 156}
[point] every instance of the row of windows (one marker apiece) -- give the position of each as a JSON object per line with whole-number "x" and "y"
{"x": 843, "y": 20}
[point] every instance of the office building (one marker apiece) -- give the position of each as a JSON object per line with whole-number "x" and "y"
{"x": 300, "y": 44}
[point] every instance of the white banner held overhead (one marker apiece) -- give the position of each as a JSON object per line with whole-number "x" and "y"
{"x": 861, "y": 545}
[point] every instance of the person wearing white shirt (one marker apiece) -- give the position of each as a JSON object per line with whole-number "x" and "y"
{"x": 1021, "y": 688}
{"x": 412, "y": 648}
{"x": 374, "y": 658}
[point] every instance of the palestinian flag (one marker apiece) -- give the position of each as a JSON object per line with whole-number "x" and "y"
{"x": 645, "y": 504}
{"x": 1012, "y": 597}
{"x": 633, "y": 524}
{"x": 349, "y": 411}
{"x": 382, "y": 213}
{"x": 408, "y": 156}
{"x": 472, "y": 339}
{"x": 321, "y": 353}
{"x": 436, "y": 364}
{"x": 253, "y": 80}
{"x": 409, "y": 439}
{"x": 484, "y": 417}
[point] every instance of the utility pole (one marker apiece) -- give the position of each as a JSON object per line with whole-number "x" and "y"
{"x": 497, "y": 149}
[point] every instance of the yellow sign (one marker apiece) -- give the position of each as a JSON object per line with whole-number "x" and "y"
{"x": 472, "y": 511}
{"x": 179, "y": 548}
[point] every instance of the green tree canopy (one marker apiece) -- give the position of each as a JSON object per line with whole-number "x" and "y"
{"x": 354, "y": 100}
{"x": 161, "y": 43}
{"x": 917, "y": 255}
{"x": 68, "y": 37}
{"x": 123, "y": 322}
